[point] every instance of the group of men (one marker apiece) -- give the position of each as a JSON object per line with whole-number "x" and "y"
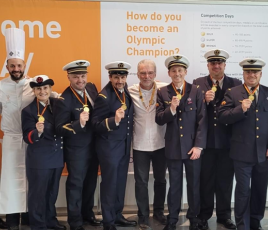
{"x": 215, "y": 127}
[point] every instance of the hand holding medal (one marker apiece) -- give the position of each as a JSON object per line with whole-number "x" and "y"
{"x": 119, "y": 114}
{"x": 209, "y": 96}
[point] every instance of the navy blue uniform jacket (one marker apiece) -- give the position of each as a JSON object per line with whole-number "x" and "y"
{"x": 77, "y": 140}
{"x": 109, "y": 135}
{"x": 219, "y": 134}
{"x": 249, "y": 140}
{"x": 44, "y": 152}
{"x": 188, "y": 127}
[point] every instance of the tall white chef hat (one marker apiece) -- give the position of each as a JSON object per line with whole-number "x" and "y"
{"x": 15, "y": 43}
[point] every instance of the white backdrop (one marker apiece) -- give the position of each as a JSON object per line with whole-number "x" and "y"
{"x": 185, "y": 29}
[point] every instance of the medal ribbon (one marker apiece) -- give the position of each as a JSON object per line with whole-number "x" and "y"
{"x": 123, "y": 102}
{"x": 151, "y": 99}
{"x": 247, "y": 89}
{"x": 183, "y": 91}
{"x": 43, "y": 111}
{"x": 85, "y": 97}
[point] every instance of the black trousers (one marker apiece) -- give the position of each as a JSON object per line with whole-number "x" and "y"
{"x": 217, "y": 174}
{"x": 77, "y": 171}
{"x": 250, "y": 193}
{"x": 89, "y": 188}
{"x": 14, "y": 219}
{"x": 42, "y": 196}
{"x": 114, "y": 168}
{"x": 192, "y": 169}
{"x": 142, "y": 162}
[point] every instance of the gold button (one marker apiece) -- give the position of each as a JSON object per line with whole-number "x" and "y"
{"x": 180, "y": 127}
{"x": 257, "y": 136}
{"x": 215, "y": 118}
{"x": 257, "y": 110}
{"x": 191, "y": 109}
{"x": 215, "y": 124}
{"x": 257, "y": 127}
{"x": 181, "y": 135}
{"x": 179, "y": 111}
{"x": 180, "y": 119}
{"x": 214, "y": 105}
{"x": 257, "y": 119}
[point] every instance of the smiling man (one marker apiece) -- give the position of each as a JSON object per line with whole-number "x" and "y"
{"x": 217, "y": 171}
{"x": 181, "y": 107}
{"x": 73, "y": 122}
{"x": 245, "y": 107}
{"x": 113, "y": 121}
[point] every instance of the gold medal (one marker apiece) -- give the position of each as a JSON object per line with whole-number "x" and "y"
{"x": 179, "y": 96}
{"x": 251, "y": 97}
{"x": 86, "y": 109}
{"x": 41, "y": 118}
{"x": 124, "y": 106}
{"x": 214, "y": 88}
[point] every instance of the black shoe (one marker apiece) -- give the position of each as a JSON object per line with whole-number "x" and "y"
{"x": 3, "y": 224}
{"x": 77, "y": 228}
{"x": 14, "y": 227}
{"x": 144, "y": 227}
{"x": 93, "y": 221}
{"x": 57, "y": 227}
{"x": 194, "y": 226}
{"x": 161, "y": 218}
{"x": 228, "y": 223}
{"x": 170, "y": 227}
{"x": 123, "y": 222}
{"x": 259, "y": 228}
{"x": 203, "y": 224}
{"x": 109, "y": 227}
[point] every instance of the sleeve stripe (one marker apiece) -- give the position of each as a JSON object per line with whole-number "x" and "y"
{"x": 107, "y": 125}
{"x": 29, "y": 137}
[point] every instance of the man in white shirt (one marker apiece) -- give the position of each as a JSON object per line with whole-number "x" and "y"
{"x": 148, "y": 145}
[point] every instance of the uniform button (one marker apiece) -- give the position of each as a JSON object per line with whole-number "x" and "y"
{"x": 181, "y": 135}
{"x": 214, "y": 111}
{"x": 127, "y": 133}
{"x": 257, "y": 119}
{"x": 179, "y": 111}
{"x": 191, "y": 109}
{"x": 55, "y": 150}
{"x": 215, "y": 124}
{"x": 257, "y": 127}
{"x": 180, "y": 127}
{"x": 257, "y": 136}
{"x": 61, "y": 137}
{"x": 55, "y": 139}
{"x": 128, "y": 122}
{"x": 56, "y": 144}
{"x": 127, "y": 116}
{"x": 215, "y": 118}
{"x": 257, "y": 110}
{"x": 54, "y": 135}
{"x": 180, "y": 119}
{"x": 226, "y": 124}
{"x": 61, "y": 147}
{"x": 127, "y": 127}
{"x": 214, "y": 105}
{"x": 62, "y": 142}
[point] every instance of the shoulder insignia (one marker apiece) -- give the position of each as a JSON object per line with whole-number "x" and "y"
{"x": 61, "y": 98}
{"x": 102, "y": 95}
{"x": 229, "y": 89}
{"x": 197, "y": 86}
{"x": 223, "y": 103}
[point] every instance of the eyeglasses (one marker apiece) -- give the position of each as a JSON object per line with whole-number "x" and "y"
{"x": 150, "y": 74}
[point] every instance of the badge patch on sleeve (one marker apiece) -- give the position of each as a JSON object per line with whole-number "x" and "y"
{"x": 223, "y": 103}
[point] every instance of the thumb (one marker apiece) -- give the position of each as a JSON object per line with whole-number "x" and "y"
{"x": 190, "y": 151}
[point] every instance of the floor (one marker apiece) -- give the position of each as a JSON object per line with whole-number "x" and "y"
{"x": 183, "y": 223}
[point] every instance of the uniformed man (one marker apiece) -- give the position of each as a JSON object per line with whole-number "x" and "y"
{"x": 217, "y": 170}
{"x": 181, "y": 106}
{"x": 113, "y": 122}
{"x": 245, "y": 107}
{"x": 44, "y": 157}
{"x": 148, "y": 145}
{"x": 72, "y": 120}
{"x": 15, "y": 94}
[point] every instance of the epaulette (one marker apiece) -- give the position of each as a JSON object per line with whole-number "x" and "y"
{"x": 62, "y": 98}
{"x": 102, "y": 95}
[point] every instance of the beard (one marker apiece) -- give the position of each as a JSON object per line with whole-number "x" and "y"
{"x": 14, "y": 77}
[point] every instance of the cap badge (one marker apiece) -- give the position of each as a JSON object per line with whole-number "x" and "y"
{"x": 217, "y": 52}
{"x": 80, "y": 63}
{"x": 251, "y": 61}
{"x": 177, "y": 57}
{"x": 121, "y": 65}
{"x": 11, "y": 53}
{"x": 39, "y": 80}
